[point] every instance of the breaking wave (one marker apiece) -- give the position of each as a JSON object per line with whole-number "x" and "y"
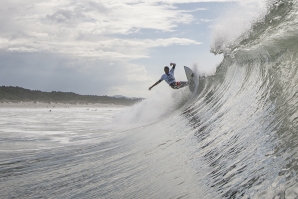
{"x": 244, "y": 117}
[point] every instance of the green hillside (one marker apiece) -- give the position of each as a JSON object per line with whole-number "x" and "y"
{"x": 18, "y": 94}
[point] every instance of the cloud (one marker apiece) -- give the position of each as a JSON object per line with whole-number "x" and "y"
{"x": 86, "y": 29}
{"x": 61, "y": 16}
{"x": 86, "y": 40}
{"x": 206, "y": 20}
{"x": 109, "y": 49}
{"x": 22, "y": 49}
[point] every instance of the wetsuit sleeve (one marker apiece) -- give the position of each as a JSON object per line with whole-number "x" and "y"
{"x": 172, "y": 70}
{"x": 161, "y": 78}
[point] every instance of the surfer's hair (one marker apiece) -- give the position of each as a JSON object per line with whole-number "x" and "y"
{"x": 166, "y": 67}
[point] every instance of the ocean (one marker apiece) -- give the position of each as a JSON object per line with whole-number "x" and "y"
{"x": 234, "y": 137}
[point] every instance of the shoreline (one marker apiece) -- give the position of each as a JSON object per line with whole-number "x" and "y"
{"x": 56, "y": 105}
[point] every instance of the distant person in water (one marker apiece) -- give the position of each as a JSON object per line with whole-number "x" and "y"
{"x": 170, "y": 79}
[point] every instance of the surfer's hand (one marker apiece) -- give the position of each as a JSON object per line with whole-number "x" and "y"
{"x": 172, "y": 64}
{"x": 150, "y": 88}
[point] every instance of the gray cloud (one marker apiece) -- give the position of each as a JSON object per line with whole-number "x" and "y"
{"x": 98, "y": 6}
{"x": 61, "y": 16}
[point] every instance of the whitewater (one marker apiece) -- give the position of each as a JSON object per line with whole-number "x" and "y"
{"x": 235, "y": 137}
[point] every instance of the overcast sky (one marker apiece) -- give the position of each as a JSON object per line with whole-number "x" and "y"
{"x": 105, "y": 47}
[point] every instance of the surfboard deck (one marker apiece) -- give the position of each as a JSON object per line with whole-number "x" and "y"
{"x": 190, "y": 78}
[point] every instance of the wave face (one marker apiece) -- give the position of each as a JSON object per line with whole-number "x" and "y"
{"x": 245, "y": 116}
{"x": 238, "y": 133}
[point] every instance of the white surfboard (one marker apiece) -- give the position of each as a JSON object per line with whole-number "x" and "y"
{"x": 190, "y": 77}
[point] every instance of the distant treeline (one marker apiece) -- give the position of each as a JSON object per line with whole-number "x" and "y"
{"x": 18, "y": 94}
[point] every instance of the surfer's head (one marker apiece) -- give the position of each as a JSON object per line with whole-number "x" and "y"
{"x": 166, "y": 69}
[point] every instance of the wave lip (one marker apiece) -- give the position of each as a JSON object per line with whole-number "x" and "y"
{"x": 274, "y": 20}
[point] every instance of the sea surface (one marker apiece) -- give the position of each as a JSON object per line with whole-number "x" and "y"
{"x": 236, "y": 136}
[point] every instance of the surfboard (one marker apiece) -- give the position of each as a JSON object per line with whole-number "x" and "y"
{"x": 190, "y": 77}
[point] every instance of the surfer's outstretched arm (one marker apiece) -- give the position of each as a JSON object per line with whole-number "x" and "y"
{"x": 154, "y": 84}
{"x": 173, "y": 64}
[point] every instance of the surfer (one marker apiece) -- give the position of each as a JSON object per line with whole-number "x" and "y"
{"x": 170, "y": 79}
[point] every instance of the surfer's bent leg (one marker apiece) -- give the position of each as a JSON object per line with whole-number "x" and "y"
{"x": 177, "y": 85}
